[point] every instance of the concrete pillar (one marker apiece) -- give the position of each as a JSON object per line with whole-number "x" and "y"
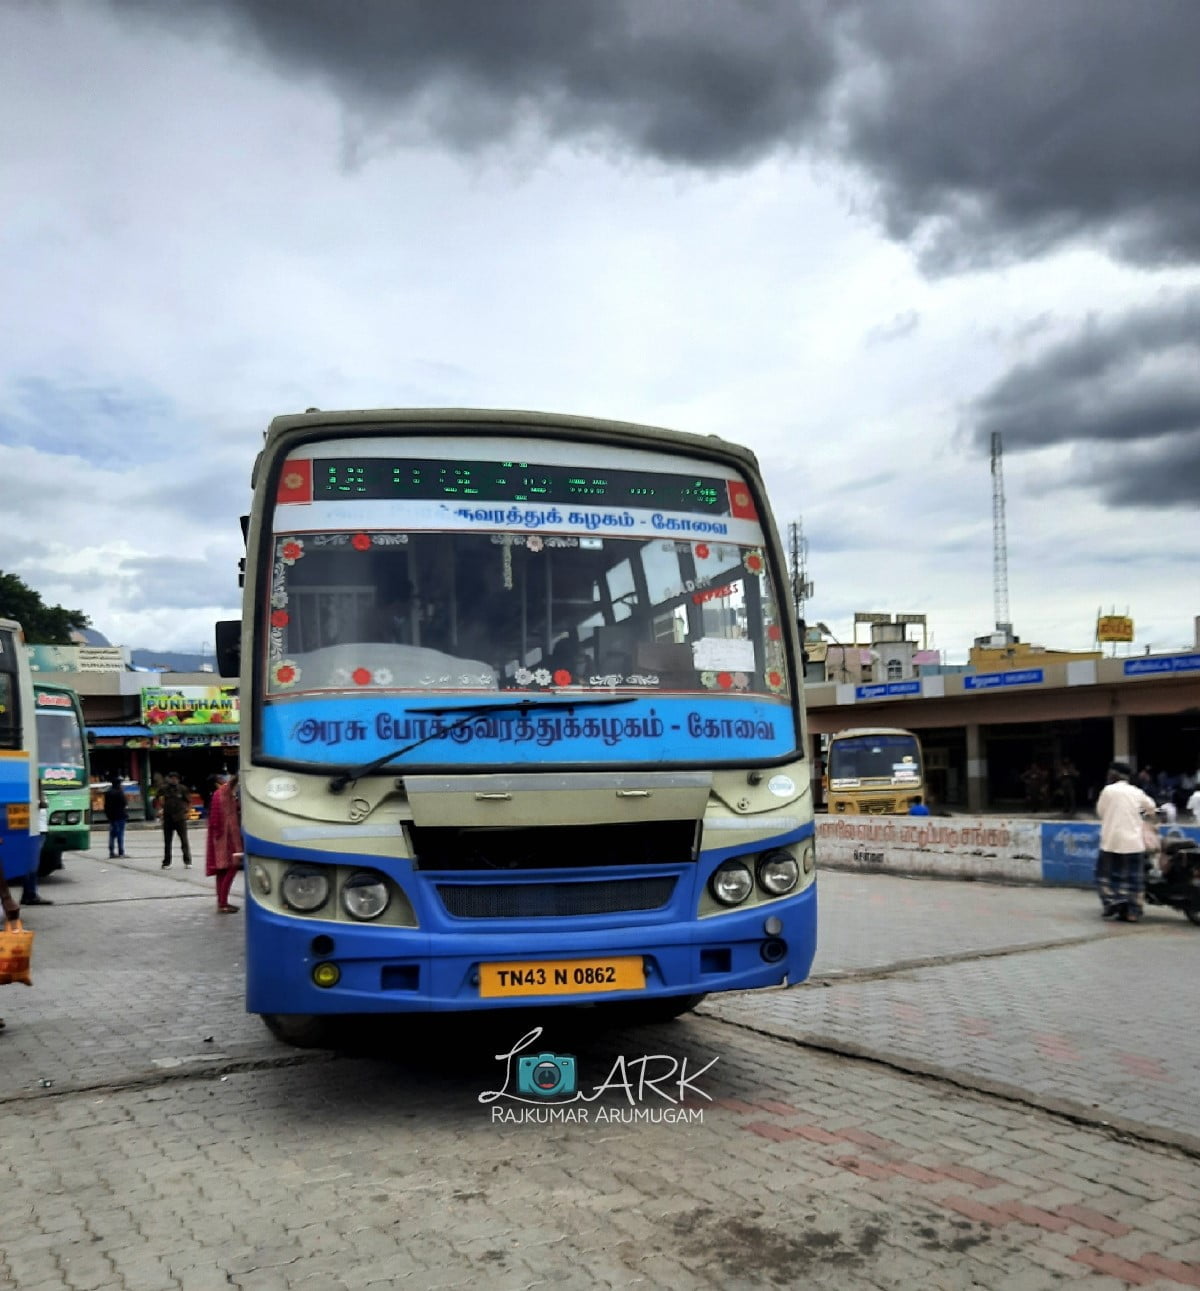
{"x": 1123, "y": 749}
{"x": 976, "y": 769}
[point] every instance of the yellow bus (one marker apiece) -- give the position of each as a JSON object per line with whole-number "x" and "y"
{"x": 873, "y": 771}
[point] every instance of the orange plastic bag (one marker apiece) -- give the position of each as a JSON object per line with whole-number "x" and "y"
{"x": 16, "y": 952}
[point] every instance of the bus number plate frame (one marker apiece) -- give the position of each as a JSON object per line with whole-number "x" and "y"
{"x": 561, "y": 976}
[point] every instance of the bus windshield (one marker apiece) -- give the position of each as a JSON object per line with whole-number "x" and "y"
{"x": 61, "y": 761}
{"x": 395, "y": 578}
{"x": 884, "y": 757}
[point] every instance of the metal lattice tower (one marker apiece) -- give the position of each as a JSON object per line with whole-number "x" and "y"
{"x": 999, "y": 538}
{"x": 798, "y": 562}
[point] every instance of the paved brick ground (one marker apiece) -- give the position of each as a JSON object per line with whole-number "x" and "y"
{"x": 1053, "y": 1004}
{"x": 152, "y": 1162}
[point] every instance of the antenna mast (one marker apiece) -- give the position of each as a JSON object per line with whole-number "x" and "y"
{"x": 999, "y": 539}
{"x": 798, "y": 562}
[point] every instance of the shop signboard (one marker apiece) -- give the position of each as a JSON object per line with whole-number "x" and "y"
{"x": 190, "y": 710}
{"x": 49, "y": 658}
{"x": 1114, "y": 627}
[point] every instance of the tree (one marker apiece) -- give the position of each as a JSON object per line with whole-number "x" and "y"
{"x": 44, "y": 624}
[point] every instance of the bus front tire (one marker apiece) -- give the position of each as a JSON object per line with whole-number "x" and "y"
{"x": 49, "y": 859}
{"x": 301, "y": 1030}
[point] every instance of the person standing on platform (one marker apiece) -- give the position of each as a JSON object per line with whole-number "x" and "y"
{"x": 116, "y": 810}
{"x": 223, "y": 847}
{"x": 175, "y": 804}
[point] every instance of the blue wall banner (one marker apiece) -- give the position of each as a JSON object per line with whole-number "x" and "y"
{"x": 887, "y": 688}
{"x": 1175, "y": 663}
{"x": 988, "y": 680}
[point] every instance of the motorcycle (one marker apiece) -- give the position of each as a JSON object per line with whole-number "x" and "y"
{"x": 1176, "y": 881}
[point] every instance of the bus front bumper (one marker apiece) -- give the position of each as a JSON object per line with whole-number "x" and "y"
{"x": 400, "y": 970}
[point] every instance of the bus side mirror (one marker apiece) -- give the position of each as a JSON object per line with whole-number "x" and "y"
{"x": 229, "y": 648}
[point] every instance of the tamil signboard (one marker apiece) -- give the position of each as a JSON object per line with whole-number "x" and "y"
{"x": 1168, "y": 663}
{"x": 1114, "y": 627}
{"x": 990, "y": 680}
{"x": 49, "y": 658}
{"x": 887, "y": 689}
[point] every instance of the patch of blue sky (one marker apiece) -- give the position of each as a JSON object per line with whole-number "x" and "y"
{"x": 85, "y": 420}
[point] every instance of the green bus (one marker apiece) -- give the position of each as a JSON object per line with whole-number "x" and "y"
{"x": 63, "y": 773}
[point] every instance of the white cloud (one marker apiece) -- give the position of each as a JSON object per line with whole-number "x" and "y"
{"x": 185, "y": 255}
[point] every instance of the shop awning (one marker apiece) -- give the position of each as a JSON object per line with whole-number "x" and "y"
{"x": 119, "y": 732}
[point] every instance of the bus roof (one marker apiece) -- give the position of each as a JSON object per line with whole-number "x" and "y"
{"x": 482, "y": 418}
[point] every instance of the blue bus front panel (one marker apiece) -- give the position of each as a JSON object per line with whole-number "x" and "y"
{"x": 20, "y": 841}
{"x": 437, "y": 966}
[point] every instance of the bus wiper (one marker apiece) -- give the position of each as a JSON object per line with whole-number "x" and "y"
{"x": 473, "y": 712}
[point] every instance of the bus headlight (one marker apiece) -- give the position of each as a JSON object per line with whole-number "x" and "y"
{"x": 778, "y": 873}
{"x": 73, "y": 817}
{"x": 260, "y": 876}
{"x": 731, "y": 883}
{"x": 305, "y": 890}
{"x": 58, "y": 818}
{"x": 365, "y": 895}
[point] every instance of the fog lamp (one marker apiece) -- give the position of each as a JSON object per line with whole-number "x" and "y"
{"x": 326, "y": 974}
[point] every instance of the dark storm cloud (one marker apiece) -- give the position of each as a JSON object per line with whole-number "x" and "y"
{"x": 1127, "y": 392}
{"x": 993, "y": 130}
{"x": 1000, "y": 128}
{"x": 694, "y": 82}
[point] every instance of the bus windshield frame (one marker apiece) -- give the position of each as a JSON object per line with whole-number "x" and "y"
{"x": 403, "y": 568}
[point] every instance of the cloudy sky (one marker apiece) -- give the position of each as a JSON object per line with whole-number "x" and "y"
{"x": 859, "y": 237}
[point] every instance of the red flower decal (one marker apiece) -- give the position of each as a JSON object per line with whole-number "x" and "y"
{"x": 773, "y": 632}
{"x": 360, "y": 542}
{"x": 292, "y": 551}
{"x": 774, "y": 679}
{"x": 754, "y": 562}
{"x": 702, "y": 550}
{"x": 724, "y": 680}
{"x": 279, "y": 618}
{"x": 562, "y": 677}
{"x": 361, "y": 676}
{"x": 285, "y": 673}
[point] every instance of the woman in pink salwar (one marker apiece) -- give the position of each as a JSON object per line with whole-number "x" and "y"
{"x": 223, "y": 849}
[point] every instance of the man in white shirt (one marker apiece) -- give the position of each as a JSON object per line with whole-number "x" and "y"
{"x": 1122, "y": 807}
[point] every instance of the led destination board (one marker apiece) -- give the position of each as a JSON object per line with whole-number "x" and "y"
{"x": 401, "y": 478}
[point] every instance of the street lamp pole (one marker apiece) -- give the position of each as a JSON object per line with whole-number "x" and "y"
{"x": 826, "y": 630}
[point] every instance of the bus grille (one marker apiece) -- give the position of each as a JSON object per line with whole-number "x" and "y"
{"x": 878, "y": 806}
{"x": 551, "y": 900}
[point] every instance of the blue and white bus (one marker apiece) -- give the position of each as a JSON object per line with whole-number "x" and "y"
{"x": 522, "y": 720}
{"x": 20, "y": 841}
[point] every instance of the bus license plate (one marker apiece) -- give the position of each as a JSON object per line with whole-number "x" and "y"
{"x": 562, "y": 976}
{"x": 18, "y": 815}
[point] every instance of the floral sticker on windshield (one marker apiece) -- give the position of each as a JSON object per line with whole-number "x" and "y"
{"x": 285, "y": 673}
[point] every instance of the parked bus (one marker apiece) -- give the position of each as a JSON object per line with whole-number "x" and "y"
{"x": 521, "y": 720}
{"x": 19, "y": 837}
{"x": 64, "y": 775}
{"x": 873, "y": 770}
